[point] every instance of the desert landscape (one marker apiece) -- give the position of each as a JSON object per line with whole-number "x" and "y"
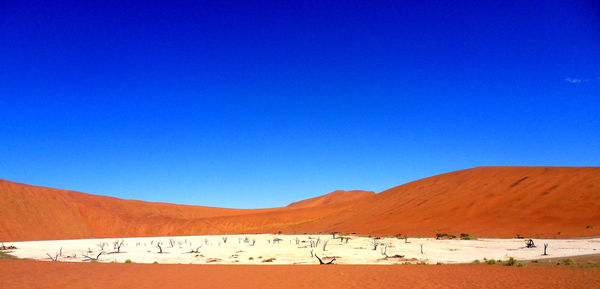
{"x": 299, "y": 144}
{"x": 508, "y": 208}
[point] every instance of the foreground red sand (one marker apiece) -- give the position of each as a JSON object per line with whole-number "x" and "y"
{"x": 33, "y": 274}
{"x": 484, "y": 202}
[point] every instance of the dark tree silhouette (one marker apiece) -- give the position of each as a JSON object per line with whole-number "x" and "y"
{"x": 323, "y": 263}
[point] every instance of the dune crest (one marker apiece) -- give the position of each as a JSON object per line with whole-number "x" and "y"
{"x": 338, "y": 196}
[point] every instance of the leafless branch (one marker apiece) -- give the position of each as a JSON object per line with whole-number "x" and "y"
{"x": 55, "y": 258}
{"x": 375, "y": 243}
{"x": 322, "y": 263}
{"x": 101, "y": 245}
{"x": 90, "y": 258}
{"x": 118, "y": 244}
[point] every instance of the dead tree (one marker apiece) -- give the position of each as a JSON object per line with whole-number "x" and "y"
{"x": 277, "y": 240}
{"x": 118, "y": 244}
{"x": 101, "y": 245}
{"x": 195, "y": 251}
{"x": 545, "y": 247}
{"x": 311, "y": 253}
{"x": 406, "y": 240}
{"x": 253, "y": 242}
{"x": 297, "y": 241}
{"x": 529, "y": 243}
{"x": 172, "y": 243}
{"x": 55, "y": 258}
{"x": 90, "y": 258}
{"x": 224, "y": 240}
{"x": 334, "y": 233}
{"x": 160, "y": 250}
{"x": 375, "y": 243}
{"x": 421, "y": 248}
{"x": 325, "y": 244}
{"x": 322, "y": 263}
{"x": 383, "y": 250}
{"x": 9, "y": 247}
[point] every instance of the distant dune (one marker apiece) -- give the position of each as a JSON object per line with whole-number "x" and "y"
{"x": 332, "y": 198}
{"x": 483, "y": 201}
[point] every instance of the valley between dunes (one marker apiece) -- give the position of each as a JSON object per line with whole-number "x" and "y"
{"x": 549, "y": 202}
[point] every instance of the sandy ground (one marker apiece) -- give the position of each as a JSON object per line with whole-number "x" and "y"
{"x": 297, "y": 249}
{"x": 16, "y": 274}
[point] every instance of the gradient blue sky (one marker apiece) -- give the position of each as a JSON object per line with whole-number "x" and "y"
{"x": 259, "y": 104}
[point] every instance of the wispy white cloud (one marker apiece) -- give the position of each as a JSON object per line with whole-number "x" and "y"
{"x": 575, "y": 80}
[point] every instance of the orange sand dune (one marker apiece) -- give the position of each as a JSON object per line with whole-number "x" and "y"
{"x": 331, "y": 198}
{"x": 39, "y": 213}
{"x": 486, "y": 201}
{"x": 33, "y": 274}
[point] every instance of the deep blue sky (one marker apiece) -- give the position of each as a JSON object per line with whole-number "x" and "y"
{"x": 258, "y": 104}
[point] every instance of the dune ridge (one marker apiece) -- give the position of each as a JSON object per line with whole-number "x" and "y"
{"x": 482, "y": 201}
{"x": 333, "y": 197}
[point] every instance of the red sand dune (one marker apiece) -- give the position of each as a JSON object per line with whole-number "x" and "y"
{"x": 331, "y": 198}
{"x": 484, "y": 201}
{"x": 34, "y": 274}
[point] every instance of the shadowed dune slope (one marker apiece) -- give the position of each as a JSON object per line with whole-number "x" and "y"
{"x": 39, "y": 213}
{"x": 485, "y": 201}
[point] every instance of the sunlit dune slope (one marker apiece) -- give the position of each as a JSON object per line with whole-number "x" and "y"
{"x": 331, "y": 198}
{"x": 485, "y": 201}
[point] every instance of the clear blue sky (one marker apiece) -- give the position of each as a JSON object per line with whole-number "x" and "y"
{"x": 257, "y": 104}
